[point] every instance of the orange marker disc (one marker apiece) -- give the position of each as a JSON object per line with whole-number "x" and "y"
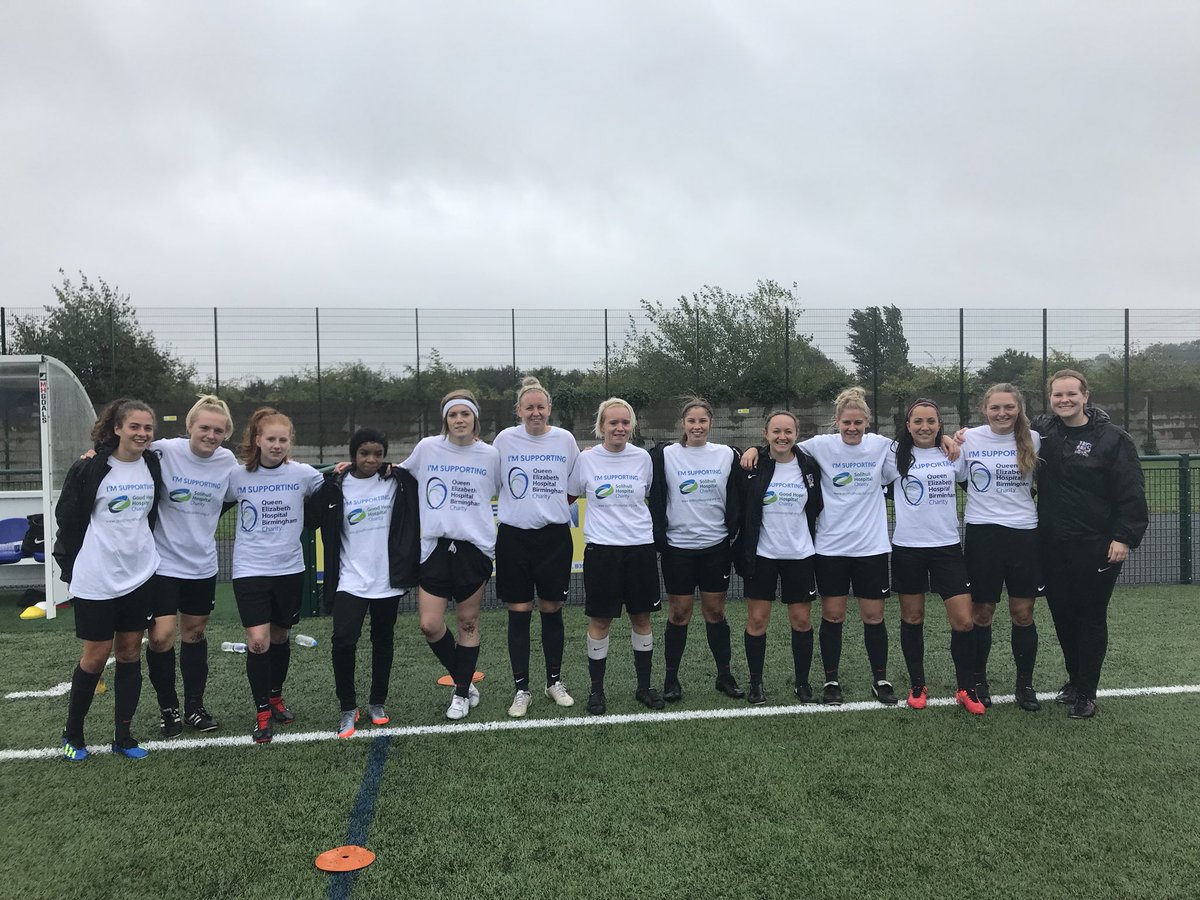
{"x": 447, "y": 681}
{"x": 345, "y": 859}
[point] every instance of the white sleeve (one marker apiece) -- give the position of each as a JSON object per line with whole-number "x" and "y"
{"x": 575, "y": 479}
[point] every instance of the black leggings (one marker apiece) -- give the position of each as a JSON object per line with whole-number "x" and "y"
{"x": 1079, "y": 585}
{"x": 349, "y": 612}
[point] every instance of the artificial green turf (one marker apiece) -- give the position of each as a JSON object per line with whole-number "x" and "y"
{"x": 865, "y": 804}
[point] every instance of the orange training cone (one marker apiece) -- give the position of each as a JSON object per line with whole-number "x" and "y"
{"x": 345, "y": 859}
{"x": 447, "y": 681}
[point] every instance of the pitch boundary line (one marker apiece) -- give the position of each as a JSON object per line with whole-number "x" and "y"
{"x": 646, "y": 718}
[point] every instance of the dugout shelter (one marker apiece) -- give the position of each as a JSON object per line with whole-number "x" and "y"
{"x": 47, "y": 419}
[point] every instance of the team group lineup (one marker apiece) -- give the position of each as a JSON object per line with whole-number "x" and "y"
{"x": 801, "y": 521}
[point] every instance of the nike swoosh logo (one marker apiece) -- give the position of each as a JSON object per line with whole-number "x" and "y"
{"x": 812, "y": 593}
{"x": 1105, "y": 569}
{"x": 333, "y": 506}
{"x": 968, "y": 584}
{"x": 1041, "y": 587}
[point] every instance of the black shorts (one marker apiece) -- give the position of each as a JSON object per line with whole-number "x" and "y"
{"x": 864, "y": 576}
{"x": 455, "y": 570}
{"x": 795, "y": 578}
{"x": 273, "y": 599}
{"x": 99, "y": 620}
{"x": 1002, "y": 557}
{"x": 533, "y": 561}
{"x": 190, "y": 596}
{"x": 918, "y": 570}
{"x": 616, "y": 577}
{"x": 685, "y": 570}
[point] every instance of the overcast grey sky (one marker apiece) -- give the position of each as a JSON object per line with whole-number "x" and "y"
{"x": 550, "y": 154}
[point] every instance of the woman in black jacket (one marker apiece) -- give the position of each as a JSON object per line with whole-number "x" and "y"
{"x": 1091, "y": 513}
{"x": 106, "y": 553}
{"x": 782, "y": 502}
{"x": 370, "y": 523}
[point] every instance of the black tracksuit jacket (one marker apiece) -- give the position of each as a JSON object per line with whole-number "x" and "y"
{"x": 1090, "y": 483}
{"x": 755, "y": 482}
{"x": 657, "y": 498}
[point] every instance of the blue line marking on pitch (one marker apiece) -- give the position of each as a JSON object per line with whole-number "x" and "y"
{"x": 341, "y": 884}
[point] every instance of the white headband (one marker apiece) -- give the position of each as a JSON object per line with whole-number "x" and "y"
{"x": 460, "y": 401}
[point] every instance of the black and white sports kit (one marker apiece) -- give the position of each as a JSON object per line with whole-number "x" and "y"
{"x": 268, "y": 565}
{"x": 852, "y": 540}
{"x": 534, "y": 551}
{"x": 695, "y": 506}
{"x": 455, "y": 487}
{"x": 105, "y": 550}
{"x": 783, "y": 501}
{"x": 1000, "y": 540}
{"x": 190, "y": 504}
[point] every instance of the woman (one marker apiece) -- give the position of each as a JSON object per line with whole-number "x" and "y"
{"x": 268, "y": 562}
{"x": 783, "y": 501}
{"x": 926, "y": 553}
{"x": 1000, "y": 542}
{"x": 196, "y": 472}
{"x": 620, "y": 567}
{"x": 696, "y": 509}
{"x": 457, "y": 475}
{"x": 533, "y": 540}
{"x": 369, "y": 518}
{"x": 105, "y": 550}
{"x": 1091, "y": 512}
{"x": 852, "y": 540}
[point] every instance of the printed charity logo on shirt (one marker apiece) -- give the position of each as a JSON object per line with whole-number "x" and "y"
{"x": 128, "y": 497}
{"x": 1083, "y": 448}
{"x": 785, "y": 496}
{"x": 194, "y": 495}
{"x": 528, "y": 478}
{"x": 1001, "y": 474}
{"x": 935, "y": 488}
{"x": 619, "y": 486}
{"x": 370, "y": 513}
{"x": 698, "y": 484}
{"x": 267, "y": 514}
{"x": 857, "y": 475}
{"x": 455, "y": 494}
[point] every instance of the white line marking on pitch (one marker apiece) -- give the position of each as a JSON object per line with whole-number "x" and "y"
{"x": 58, "y": 690}
{"x": 647, "y": 718}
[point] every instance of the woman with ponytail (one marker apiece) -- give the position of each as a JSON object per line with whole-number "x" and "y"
{"x": 105, "y": 550}
{"x": 268, "y": 561}
{"x": 1001, "y": 545}
{"x": 533, "y": 541}
{"x": 457, "y": 476}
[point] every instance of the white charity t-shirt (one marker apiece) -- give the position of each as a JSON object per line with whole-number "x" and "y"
{"x": 533, "y": 493}
{"x": 118, "y": 552}
{"x": 190, "y": 504}
{"x": 697, "y": 487}
{"x": 853, "y": 521}
{"x": 367, "y": 505}
{"x": 926, "y": 500}
{"x": 997, "y": 492}
{"x": 456, "y": 486}
{"x": 615, "y": 486}
{"x": 270, "y": 517}
{"x": 785, "y": 533}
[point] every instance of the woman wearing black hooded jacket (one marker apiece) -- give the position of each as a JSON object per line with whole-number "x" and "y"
{"x": 370, "y": 523}
{"x": 1091, "y": 513}
{"x": 775, "y": 545}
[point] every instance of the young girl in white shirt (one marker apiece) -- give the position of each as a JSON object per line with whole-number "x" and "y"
{"x": 268, "y": 561}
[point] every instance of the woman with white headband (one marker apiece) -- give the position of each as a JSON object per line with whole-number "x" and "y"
{"x": 458, "y": 475}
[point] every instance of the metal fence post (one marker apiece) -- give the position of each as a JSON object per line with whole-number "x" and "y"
{"x": 875, "y": 366}
{"x": 1185, "y": 519}
{"x": 1045, "y": 358}
{"x": 3, "y": 332}
{"x": 513, "y": 324}
{"x": 699, "y": 393}
{"x": 607, "y": 392}
{"x": 963, "y": 415}
{"x": 417, "y": 339}
{"x": 1127, "y": 369}
{"x": 787, "y": 358}
{"x": 320, "y": 395}
{"x": 216, "y": 355}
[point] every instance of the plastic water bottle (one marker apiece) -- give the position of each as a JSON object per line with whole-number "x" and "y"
{"x": 230, "y": 647}
{"x": 303, "y": 640}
